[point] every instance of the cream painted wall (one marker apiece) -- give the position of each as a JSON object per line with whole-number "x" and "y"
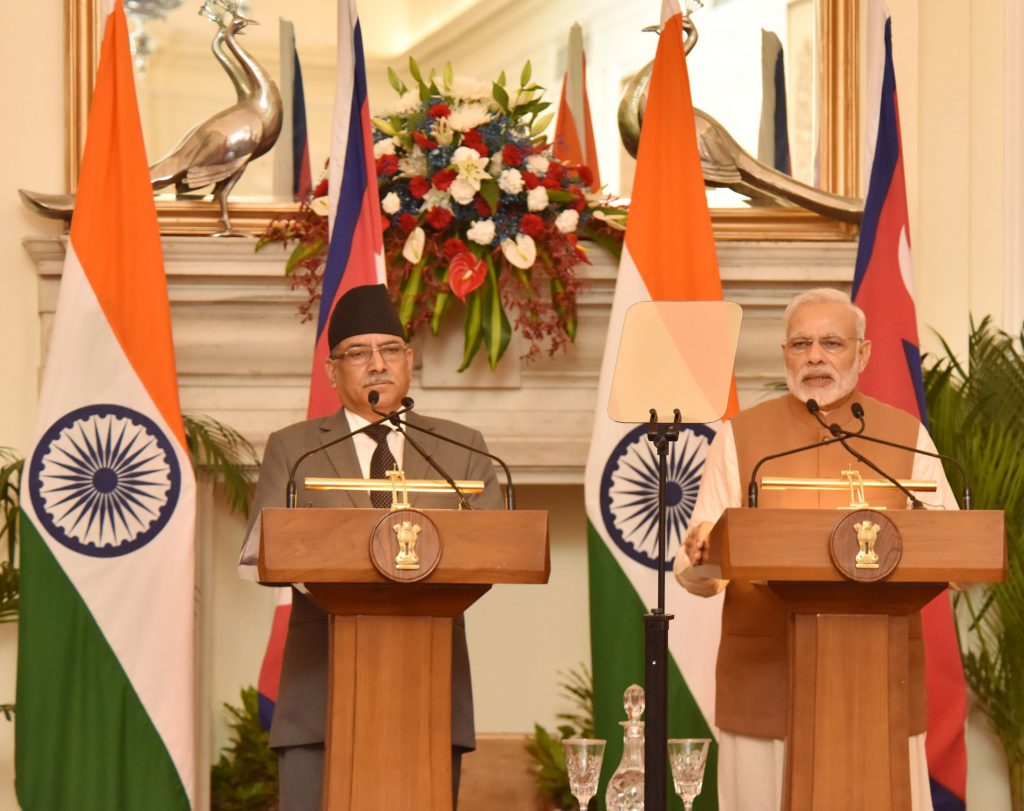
{"x": 949, "y": 61}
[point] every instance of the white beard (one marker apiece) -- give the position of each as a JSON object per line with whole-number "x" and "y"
{"x": 826, "y": 396}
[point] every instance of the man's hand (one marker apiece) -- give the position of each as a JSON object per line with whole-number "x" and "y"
{"x": 696, "y": 543}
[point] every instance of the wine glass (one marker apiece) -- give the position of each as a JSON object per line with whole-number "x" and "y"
{"x": 583, "y": 758}
{"x": 687, "y": 757}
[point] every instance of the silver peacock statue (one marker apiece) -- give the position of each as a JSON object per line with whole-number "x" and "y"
{"x": 216, "y": 151}
{"x": 724, "y": 162}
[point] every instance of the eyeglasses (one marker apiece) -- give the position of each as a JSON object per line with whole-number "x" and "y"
{"x": 361, "y": 355}
{"x": 830, "y": 344}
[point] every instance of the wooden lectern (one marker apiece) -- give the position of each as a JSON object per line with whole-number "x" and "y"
{"x": 389, "y": 700}
{"x": 848, "y": 724}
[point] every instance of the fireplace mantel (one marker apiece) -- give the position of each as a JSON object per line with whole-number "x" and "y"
{"x": 244, "y": 355}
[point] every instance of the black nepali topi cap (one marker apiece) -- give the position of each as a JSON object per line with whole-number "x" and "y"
{"x": 363, "y": 310}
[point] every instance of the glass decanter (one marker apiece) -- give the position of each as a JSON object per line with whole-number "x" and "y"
{"x": 626, "y": 788}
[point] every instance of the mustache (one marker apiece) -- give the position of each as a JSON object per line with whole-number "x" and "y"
{"x": 378, "y": 379}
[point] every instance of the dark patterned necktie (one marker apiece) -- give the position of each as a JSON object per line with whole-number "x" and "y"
{"x": 380, "y": 463}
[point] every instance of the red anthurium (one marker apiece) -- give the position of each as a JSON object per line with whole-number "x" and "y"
{"x": 465, "y": 273}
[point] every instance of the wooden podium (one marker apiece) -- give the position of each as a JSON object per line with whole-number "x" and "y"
{"x": 388, "y": 726}
{"x": 848, "y": 692}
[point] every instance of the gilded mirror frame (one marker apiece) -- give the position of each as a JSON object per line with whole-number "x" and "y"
{"x": 838, "y": 26}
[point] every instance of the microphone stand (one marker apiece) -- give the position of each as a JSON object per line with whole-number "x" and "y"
{"x": 842, "y": 436}
{"x": 463, "y": 504}
{"x": 656, "y": 624}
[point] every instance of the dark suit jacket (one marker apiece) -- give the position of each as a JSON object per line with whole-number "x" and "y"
{"x": 302, "y": 699}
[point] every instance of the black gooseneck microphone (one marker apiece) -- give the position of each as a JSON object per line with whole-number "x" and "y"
{"x": 752, "y": 484}
{"x": 858, "y": 412}
{"x": 841, "y": 436}
{"x": 510, "y": 493}
{"x": 407, "y": 402}
{"x": 290, "y": 492}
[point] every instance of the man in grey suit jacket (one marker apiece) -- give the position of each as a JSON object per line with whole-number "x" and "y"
{"x": 368, "y": 353}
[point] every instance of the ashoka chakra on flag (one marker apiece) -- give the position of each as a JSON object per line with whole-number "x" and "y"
{"x": 104, "y": 480}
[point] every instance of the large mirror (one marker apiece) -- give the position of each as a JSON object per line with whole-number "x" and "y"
{"x": 733, "y": 72}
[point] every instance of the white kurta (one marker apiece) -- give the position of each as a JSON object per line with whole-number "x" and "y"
{"x": 750, "y": 770}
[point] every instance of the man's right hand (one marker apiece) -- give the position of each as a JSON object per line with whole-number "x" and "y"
{"x": 696, "y": 543}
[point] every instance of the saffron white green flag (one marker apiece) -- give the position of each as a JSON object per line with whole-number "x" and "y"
{"x": 105, "y": 647}
{"x": 669, "y": 254}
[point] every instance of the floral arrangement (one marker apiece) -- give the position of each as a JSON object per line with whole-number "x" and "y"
{"x": 474, "y": 207}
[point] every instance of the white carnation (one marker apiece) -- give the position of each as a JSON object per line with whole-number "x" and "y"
{"x": 567, "y": 221}
{"x": 481, "y": 232}
{"x": 521, "y": 253}
{"x": 470, "y": 89}
{"x": 511, "y": 181}
{"x": 468, "y": 116}
{"x": 537, "y": 199}
{"x": 385, "y": 146}
{"x": 412, "y": 251}
{"x": 390, "y": 204}
{"x": 463, "y": 190}
{"x": 537, "y": 164}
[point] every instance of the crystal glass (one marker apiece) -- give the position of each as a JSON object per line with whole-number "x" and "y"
{"x": 583, "y": 757}
{"x": 687, "y": 757}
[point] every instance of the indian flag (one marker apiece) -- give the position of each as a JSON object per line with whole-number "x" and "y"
{"x": 105, "y": 648}
{"x": 669, "y": 254}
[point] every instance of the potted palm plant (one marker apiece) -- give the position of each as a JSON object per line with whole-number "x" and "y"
{"x": 976, "y": 416}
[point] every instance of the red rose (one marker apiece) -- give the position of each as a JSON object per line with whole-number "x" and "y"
{"x": 387, "y": 165}
{"x": 321, "y": 188}
{"x": 423, "y": 141}
{"x": 556, "y": 170}
{"x": 530, "y": 180}
{"x": 586, "y": 176}
{"x": 531, "y": 225}
{"x": 550, "y": 183}
{"x": 482, "y": 207}
{"x": 511, "y": 155}
{"x": 438, "y": 218}
{"x": 407, "y": 222}
{"x": 453, "y": 247}
{"x": 465, "y": 274}
{"x": 439, "y": 110}
{"x": 443, "y": 179}
{"x": 418, "y": 186}
{"x": 474, "y": 140}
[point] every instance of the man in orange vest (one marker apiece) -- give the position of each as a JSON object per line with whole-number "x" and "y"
{"x": 824, "y": 351}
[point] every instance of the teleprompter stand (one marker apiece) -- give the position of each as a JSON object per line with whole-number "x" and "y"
{"x": 677, "y": 357}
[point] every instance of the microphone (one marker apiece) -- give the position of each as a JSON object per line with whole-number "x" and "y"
{"x": 290, "y": 492}
{"x": 841, "y": 436}
{"x": 407, "y": 403}
{"x": 510, "y": 493}
{"x": 858, "y": 412}
{"x": 752, "y": 485}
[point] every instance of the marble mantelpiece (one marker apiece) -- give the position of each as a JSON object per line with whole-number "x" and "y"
{"x": 244, "y": 355}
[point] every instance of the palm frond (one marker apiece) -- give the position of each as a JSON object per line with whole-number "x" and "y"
{"x": 221, "y": 451}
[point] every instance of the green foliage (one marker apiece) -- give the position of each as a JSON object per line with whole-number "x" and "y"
{"x": 245, "y": 777}
{"x": 545, "y": 748}
{"x": 221, "y": 451}
{"x": 10, "y": 483}
{"x": 976, "y": 416}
